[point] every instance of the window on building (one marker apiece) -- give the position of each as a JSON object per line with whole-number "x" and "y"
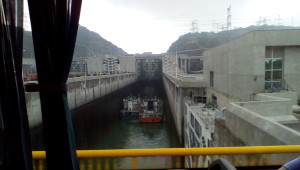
{"x": 199, "y": 99}
{"x": 198, "y": 129}
{"x": 191, "y": 138}
{"x": 211, "y": 76}
{"x": 274, "y": 67}
{"x": 192, "y": 120}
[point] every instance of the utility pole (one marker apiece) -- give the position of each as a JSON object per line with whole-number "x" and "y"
{"x": 229, "y": 18}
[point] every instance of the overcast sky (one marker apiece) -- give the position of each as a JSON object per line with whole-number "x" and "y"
{"x": 140, "y": 26}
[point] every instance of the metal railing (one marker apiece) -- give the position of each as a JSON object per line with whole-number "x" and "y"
{"x": 287, "y": 86}
{"x": 173, "y": 157}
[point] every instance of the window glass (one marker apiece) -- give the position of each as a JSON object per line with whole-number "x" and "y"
{"x": 267, "y": 85}
{"x": 277, "y": 75}
{"x": 268, "y": 75}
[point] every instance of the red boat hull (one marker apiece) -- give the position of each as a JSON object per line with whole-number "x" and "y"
{"x": 150, "y": 119}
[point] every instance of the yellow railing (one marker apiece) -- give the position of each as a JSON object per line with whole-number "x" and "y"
{"x": 173, "y": 157}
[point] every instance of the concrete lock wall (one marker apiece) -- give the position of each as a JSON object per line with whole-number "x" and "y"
{"x": 253, "y": 129}
{"x": 285, "y": 94}
{"x": 223, "y": 136}
{"x": 269, "y": 106}
{"x": 80, "y": 93}
{"x": 175, "y": 96}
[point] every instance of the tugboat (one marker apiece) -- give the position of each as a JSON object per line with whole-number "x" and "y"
{"x": 151, "y": 110}
{"x": 131, "y": 108}
{"x": 143, "y": 110}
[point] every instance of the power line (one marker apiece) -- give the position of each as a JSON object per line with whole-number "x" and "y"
{"x": 191, "y": 15}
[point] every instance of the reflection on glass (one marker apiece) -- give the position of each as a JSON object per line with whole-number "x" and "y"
{"x": 273, "y": 85}
{"x": 277, "y": 85}
{"x": 268, "y": 64}
{"x": 277, "y": 75}
{"x": 277, "y": 63}
{"x": 268, "y": 85}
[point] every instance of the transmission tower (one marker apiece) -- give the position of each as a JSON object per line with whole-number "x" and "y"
{"x": 278, "y": 21}
{"x": 229, "y": 18}
{"x": 265, "y": 21}
{"x": 216, "y": 27}
{"x": 258, "y": 22}
{"x": 195, "y": 27}
{"x": 262, "y": 21}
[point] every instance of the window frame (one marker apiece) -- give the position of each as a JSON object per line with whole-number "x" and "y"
{"x": 270, "y": 82}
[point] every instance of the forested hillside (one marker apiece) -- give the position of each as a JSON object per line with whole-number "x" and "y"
{"x": 88, "y": 44}
{"x": 195, "y": 43}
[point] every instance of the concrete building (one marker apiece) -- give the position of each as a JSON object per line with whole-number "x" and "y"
{"x": 78, "y": 65}
{"x": 127, "y": 64}
{"x": 94, "y": 65}
{"x": 111, "y": 65}
{"x": 149, "y": 66}
{"x": 257, "y": 62}
{"x": 103, "y": 65}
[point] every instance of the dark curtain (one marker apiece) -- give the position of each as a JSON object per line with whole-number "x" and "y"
{"x": 54, "y": 28}
{"x": 15, "y": 148}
